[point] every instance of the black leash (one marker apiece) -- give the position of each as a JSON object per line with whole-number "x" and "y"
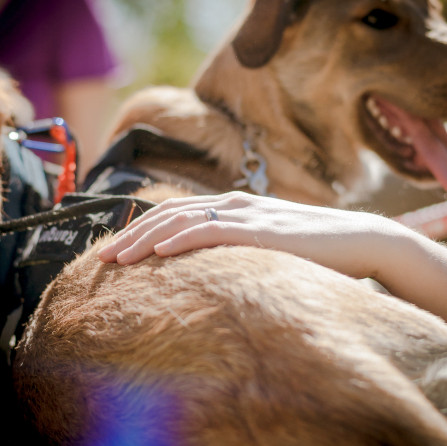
{"x": 70, "y": 212}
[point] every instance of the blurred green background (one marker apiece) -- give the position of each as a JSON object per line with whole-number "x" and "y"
{"x": 164, "y": 41}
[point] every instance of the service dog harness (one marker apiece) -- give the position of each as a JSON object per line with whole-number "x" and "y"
{"x": 37, "y": 240}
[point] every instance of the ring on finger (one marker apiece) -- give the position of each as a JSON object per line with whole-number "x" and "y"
{"x": 211, "y": 214}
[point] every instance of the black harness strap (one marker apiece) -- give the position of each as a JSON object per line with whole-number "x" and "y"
{"x": 25, "y": 190}
{"x": 62, "y": 233}
{"x": 60, "y": 236}
{"x": 141, "y": 140}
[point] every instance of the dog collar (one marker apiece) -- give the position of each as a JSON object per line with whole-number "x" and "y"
{"x": 253, "y": 166}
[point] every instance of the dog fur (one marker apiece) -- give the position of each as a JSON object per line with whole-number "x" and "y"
{"x": 238, "y": 345}
{"x": 230, "y": 346}
{"x": 293, "y": 80}
{"x": 15, "y": 110}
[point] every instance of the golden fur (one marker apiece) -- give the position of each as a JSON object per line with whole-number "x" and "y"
{"x": 230, "y": 346}
{"x": 238, "y": 345}
{"x": 15, "y": 109}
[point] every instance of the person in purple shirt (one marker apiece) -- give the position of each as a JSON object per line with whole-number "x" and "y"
{"x": 57, "y": 51}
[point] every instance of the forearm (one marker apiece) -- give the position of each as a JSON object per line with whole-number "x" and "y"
{"x": 415, "y": 268}
{"x": 357, "y": 244}
{"x": 407, "y": 264}
{"x": 85, "y": 104}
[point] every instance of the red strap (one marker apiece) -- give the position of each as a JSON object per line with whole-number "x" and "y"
{"x": 67, "y": 179}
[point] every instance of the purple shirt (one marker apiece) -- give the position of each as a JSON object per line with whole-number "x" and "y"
{"x": 44, "y": 43}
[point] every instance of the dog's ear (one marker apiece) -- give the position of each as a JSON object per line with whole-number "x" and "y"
{"x": 260, "y": 35}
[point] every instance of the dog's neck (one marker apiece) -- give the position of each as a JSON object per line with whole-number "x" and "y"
{"x": 300, "y": 172}
{"x": 232, "y": 108}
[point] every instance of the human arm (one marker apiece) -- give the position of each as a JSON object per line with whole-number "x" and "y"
{"x": 357, "y": 244}
{"x": 85, "y": 104}
{"x": 87, "y": 69}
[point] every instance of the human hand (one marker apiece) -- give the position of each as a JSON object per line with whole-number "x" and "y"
{"x": 357, "y": 244}
{"x": 320, "y": 234}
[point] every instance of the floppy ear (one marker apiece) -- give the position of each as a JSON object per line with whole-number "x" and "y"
{"x": 260, "y": 35}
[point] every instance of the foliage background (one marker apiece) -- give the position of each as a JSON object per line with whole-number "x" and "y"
{"x": 164, "y": 41}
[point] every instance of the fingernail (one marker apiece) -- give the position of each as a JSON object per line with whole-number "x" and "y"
{"x": 106, "y": 251}
{"x": 123, "y": 257}
{"x": 163, "y": 248}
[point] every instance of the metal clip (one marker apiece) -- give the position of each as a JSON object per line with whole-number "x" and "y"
{"x": 255, "y": 179}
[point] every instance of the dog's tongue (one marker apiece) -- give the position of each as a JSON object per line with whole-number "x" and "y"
{"x": 429, "y": 139}
{"x": 430, "y": 143}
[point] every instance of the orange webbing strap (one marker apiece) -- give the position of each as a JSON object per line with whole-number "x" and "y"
{"x": 67, "y": 178}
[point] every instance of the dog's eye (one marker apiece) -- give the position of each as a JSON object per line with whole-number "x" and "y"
{"x": 380, "y": 19}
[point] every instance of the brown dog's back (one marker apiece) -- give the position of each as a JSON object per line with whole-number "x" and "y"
{"x": 228, "y": 346}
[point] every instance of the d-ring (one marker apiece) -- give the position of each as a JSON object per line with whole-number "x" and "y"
{"x": 211, "y": 214}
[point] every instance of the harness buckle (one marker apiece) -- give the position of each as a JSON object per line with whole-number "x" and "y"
{"x": 64, "y": 143}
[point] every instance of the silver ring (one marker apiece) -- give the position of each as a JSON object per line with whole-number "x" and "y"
{"x": 211, "y": 214}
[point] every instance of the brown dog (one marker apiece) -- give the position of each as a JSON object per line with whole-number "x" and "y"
{"x": 308, "y": 85}
{"x": 230, "y": 346}
{"x": 237, "y": 345}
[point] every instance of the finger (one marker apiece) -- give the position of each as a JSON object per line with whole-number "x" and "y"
{"x": 176, "y": 220}
{"x": 184, "y": 204}
{"x": 206, "y": 235}
{"x": 144, "y": 231}
{"x": 126, "y": 238}
{"x": 174, "y": 203}
{"x": 122, "y": 241}
{"x": 143, "y": 246}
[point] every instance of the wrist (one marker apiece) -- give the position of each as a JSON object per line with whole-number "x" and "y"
{"x": 414, "y": 268}
{"x": 390, "y": 248}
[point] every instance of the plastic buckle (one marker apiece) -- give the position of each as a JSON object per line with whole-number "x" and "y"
{"x": 58, "y": 130}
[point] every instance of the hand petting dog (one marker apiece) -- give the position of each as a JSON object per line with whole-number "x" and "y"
{"x": 357, "y": 244}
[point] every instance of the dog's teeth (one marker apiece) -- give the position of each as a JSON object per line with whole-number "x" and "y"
{"x": 375, "y": 112}
{"x": 373, "y": 108}
{"x": 408, "y": 140}
{"x": 370, "y": 102}
{"x": 396, "y": 132}
{"x": 383, "y": 121}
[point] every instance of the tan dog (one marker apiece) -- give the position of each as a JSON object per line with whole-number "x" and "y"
{"x": 308, "y": 85}
{"x": 232, "y": 346}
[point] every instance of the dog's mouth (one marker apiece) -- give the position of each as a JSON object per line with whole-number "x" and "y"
{"x": 416, "y": 147}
